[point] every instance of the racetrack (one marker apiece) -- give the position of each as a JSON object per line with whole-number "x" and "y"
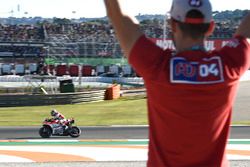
{"x": 106, "y": 144}
{"x": 241, "y": 109}
{"x": 12, "y": 134}
{"x": 126, "y": 132}
{"x": 119, "y": 132}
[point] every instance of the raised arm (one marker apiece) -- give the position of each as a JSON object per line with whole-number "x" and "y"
{"x": 244, "y": 28}
{"x": 127, "y": 28}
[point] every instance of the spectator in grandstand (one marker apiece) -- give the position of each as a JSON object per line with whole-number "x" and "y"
{"x": 190, "y": 91}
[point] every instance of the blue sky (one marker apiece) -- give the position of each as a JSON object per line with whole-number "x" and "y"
{"x": 95, "y": 8}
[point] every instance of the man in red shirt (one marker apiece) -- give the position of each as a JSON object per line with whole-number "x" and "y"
{"x": 190, "y": 90}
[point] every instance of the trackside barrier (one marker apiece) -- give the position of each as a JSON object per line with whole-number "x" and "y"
{"x": 136, "y": 80}
{"x": 112, "y": 92}
{"x": 51, "y": 99}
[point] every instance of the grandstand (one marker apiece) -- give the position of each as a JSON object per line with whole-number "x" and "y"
{"x": 87, "y": 44}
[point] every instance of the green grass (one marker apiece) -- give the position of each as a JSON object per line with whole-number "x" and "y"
{"x": 247, "y": 123}
{"x": 124, "y": 111}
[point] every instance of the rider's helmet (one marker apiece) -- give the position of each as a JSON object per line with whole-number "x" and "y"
{"x": 53, "y": 112}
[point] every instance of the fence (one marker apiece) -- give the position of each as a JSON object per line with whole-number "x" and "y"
{"x": 52, "y": 99}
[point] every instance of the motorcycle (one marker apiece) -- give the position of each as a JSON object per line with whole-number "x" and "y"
{"x": 51, "y": 127}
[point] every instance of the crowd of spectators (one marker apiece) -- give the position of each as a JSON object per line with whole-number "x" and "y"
{"x": 20, "y": 33}
{"x": 83, "y": 32}
{"x": 95, "y": 38}
{"x": 92, "y": 38}
{"x": 22, "y": 51}
{"x": 97, "y": 32}
{"x": 224, "y": 29}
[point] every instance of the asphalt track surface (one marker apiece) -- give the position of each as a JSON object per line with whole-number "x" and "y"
{"x": 120, "y": 132}
{"x": 126, "y": 132}
{"x": 241, "y": 108}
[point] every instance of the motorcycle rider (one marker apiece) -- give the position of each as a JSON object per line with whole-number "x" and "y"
{"x": 59, "y": 118}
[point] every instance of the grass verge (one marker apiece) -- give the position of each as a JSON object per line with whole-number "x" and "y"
{"x": 124, "y": 111}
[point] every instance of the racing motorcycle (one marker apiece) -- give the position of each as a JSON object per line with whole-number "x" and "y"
{"x": 51, "y": 127}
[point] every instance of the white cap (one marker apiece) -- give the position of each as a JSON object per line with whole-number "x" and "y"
{"x": 180, "y": 9}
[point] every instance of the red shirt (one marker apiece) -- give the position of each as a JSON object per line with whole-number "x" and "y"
{"x": 190, "y": 98}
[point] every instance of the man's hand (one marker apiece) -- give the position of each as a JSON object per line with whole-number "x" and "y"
{"x": 126, "y": 28}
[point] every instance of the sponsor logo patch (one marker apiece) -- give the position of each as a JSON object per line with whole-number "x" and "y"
{"x": 195, "y": 3}
{"x": 207, "y": 71}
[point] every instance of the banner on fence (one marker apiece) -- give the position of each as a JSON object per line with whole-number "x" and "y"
{"x": 209, "y": 44}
